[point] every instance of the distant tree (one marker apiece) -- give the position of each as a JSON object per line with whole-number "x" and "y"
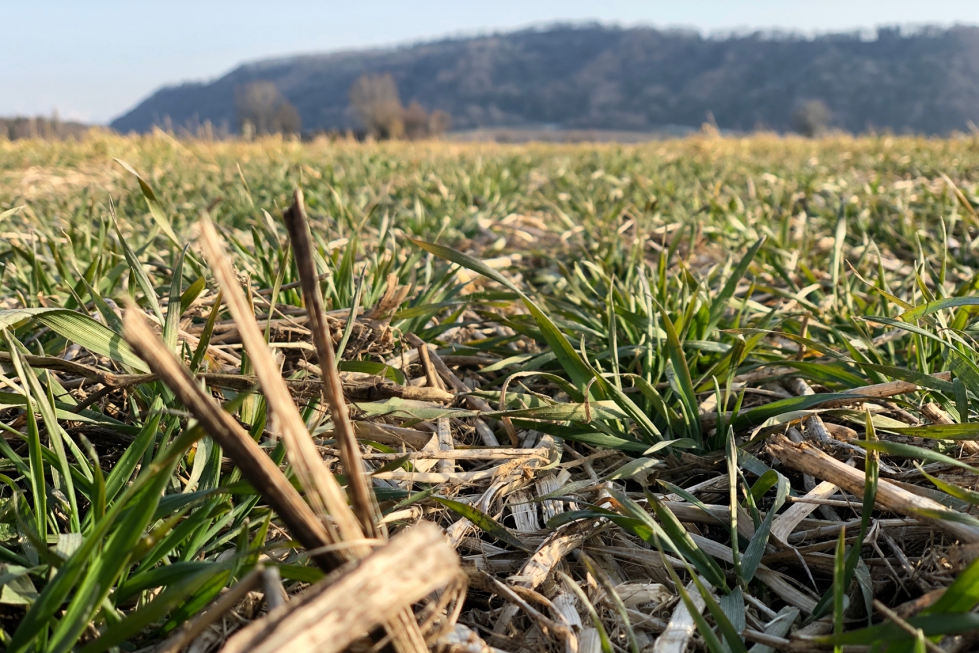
{"x": 262, "y": 109}
{"x": 439, "y": 122}
{"x": 256, "y": 104}
{"x": 416, "y": 121}
{"x": 812, "y": 118}
{"x": 375, "y": 101}
{"x": 286, "y": 119}
{"x": 421, "y": 124}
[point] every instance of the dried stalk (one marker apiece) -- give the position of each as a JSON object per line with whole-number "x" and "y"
{"x": 357, "y": 484}
{"x": 332, "y": 615}
{"x": 890, "y": 497}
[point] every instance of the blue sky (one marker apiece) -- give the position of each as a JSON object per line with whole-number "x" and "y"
{"x": 95, "y": 59}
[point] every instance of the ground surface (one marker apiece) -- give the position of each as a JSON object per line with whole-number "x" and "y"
{"x": 746, "y": 368}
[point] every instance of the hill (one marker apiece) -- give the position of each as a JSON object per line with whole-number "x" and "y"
{"x": 598, "y": 77}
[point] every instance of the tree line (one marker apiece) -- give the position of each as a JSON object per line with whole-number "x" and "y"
{"x": 374, "y": 102}
{"x": 41, "y": 127}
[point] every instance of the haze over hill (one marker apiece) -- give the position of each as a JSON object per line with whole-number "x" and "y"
{"x": 597, "y": 77}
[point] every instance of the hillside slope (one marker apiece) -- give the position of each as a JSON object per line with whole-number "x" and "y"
{"x": 595, "y": 77}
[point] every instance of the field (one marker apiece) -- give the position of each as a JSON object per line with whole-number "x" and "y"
{"x": 703, "y": 394}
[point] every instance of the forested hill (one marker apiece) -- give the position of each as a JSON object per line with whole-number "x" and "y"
{"x": 596, "y": 77}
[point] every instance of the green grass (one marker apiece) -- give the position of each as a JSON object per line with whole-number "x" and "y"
{"x": 650, "y": 281}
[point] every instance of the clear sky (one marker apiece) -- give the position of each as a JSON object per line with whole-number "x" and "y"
{"x": 94, "y": 59}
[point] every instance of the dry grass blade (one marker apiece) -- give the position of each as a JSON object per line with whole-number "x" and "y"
{"x": 547, "y": 556}
{"x": 785, "y": 524}
{"x": 890, "y": 497}
{"x": 358, "y": 484}
{"x": 681, "y": 627}
{"x": 254, "y": 463}
{"x": 332, "y": 615}
{"x": 513, "y": 595}
{"x": 882, "y": 390}
{"x": 323, "y": 491}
